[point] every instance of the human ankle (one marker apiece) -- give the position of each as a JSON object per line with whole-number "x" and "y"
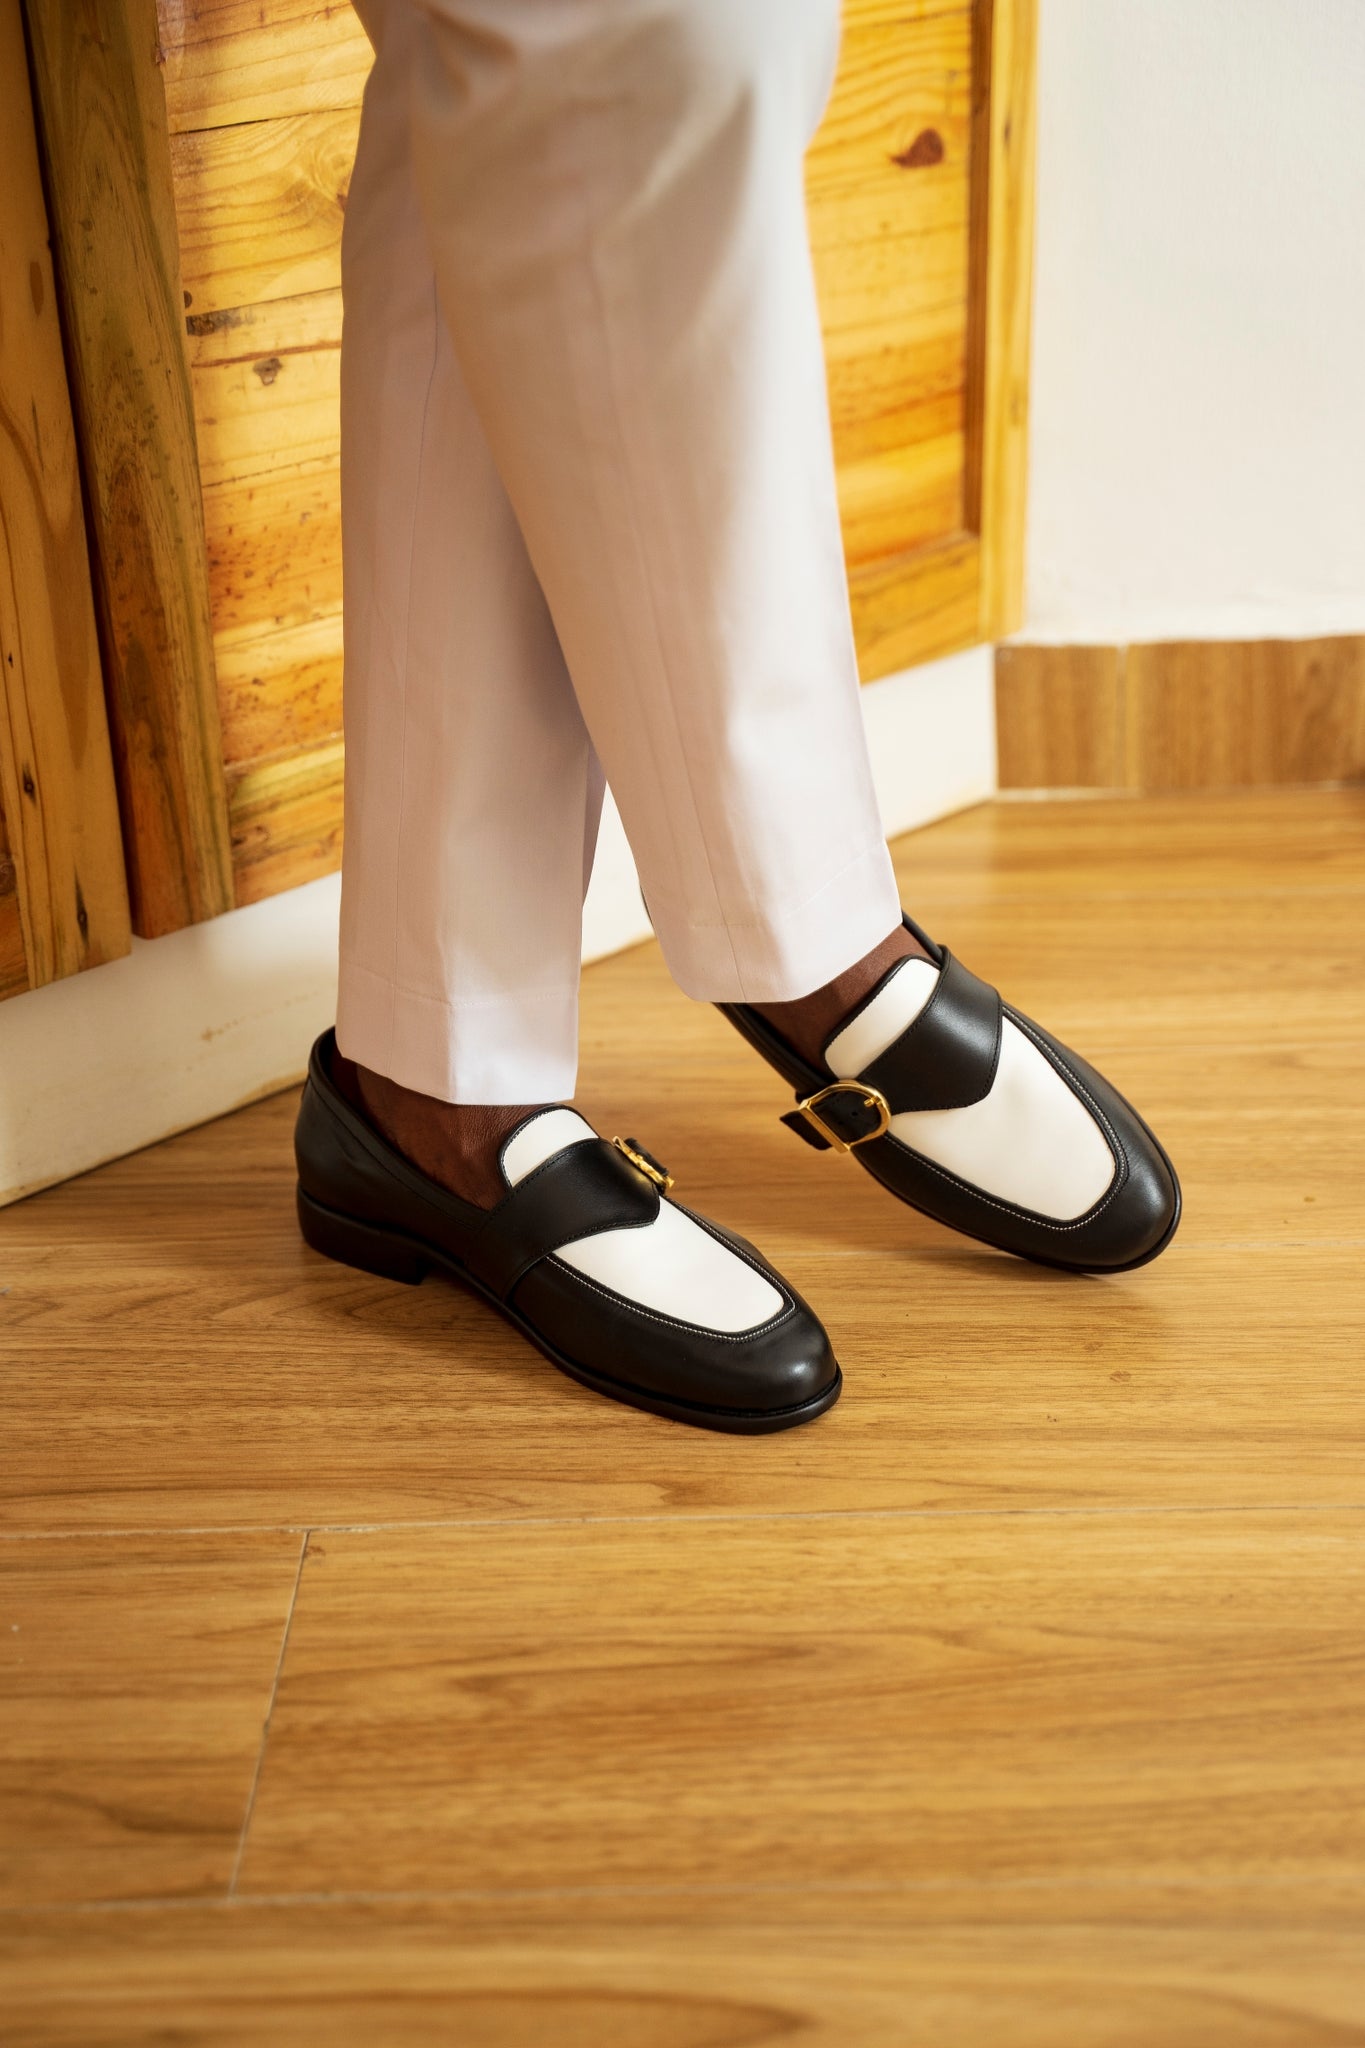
{"x": 807, "y": 1022}
{"x": 456, "y": 1144}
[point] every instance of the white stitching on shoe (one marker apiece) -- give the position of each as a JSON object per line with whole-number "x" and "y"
{"x": 720, "y": 1336}
{"x": 697, "y": 1329}
{"x": 1077, "y": 1087}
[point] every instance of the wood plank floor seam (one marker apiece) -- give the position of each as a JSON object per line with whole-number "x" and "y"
{"x": 372, "y": 1682}
{"x": 687, "y": 1517}
{"x": 1230, "y": 793}
{"x": 265, "y": 1725}
{"x": 853, "y": 1888}
{"x": 1308, "y": 893}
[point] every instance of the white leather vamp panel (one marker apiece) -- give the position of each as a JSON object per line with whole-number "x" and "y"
{"x": 1031, "y": 1142}
{"x": 670, "y": 1266}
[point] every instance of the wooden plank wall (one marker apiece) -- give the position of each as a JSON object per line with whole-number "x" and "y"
{"x": 1183, "y": 714}
{"x": 63, "y": 900}
{"x": 13, "y": 959}
{"x": 262, "y": 113}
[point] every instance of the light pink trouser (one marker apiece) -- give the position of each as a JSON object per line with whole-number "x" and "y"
{"x": 589, "y": 516}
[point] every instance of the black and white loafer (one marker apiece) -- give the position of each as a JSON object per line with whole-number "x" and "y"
{"x": 970, "y": 1112}
{"x": 619, "y": 1287}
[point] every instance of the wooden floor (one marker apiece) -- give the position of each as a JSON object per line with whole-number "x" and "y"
{"x": 365, "y": 1681}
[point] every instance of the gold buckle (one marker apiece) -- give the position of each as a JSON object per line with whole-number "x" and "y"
{"x": 662, "y": 1179}
{"x": 874, "y": 1099}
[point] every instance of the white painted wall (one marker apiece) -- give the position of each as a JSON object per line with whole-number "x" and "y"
{"x": 198, "y": 1023}
{"x": 1198, "y": 409}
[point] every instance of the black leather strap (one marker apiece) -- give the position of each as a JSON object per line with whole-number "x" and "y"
{"x": 947, "y": 1057}
{"x": 586, "y": 1188}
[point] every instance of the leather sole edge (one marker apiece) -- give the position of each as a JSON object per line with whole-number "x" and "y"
{"x": 1039, "y": 1258}
{"x": 392, "y": 1255}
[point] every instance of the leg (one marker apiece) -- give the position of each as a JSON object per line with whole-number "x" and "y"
{"x": 614, "y": 201}
{"x": 472, "y": 789}
{"x": 472, "y": 802}
{"x": 613, "y": 192}
{"x": 459, "y": 983}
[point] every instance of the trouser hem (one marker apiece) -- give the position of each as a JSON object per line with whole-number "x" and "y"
{"x": 523, "y": 1046}
{"x": 789, "y": 951}
{"x": 513, "y": 1048}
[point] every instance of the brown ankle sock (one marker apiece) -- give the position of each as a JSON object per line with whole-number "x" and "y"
{"x": 454, "y": 1143}
{"x": 809, "y": 1020}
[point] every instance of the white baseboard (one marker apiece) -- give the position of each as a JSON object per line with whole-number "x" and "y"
{"x": 195, "y": 1024}
{"x": 931, "y": 735}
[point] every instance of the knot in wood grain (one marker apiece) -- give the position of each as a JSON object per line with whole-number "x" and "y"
{"x": 927, "y": 148}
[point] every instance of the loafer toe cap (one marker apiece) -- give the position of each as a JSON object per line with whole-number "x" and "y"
{"x": 779, "y": 1368}
{"x": 1143, "y": 1215}
{"x": 791, "y": 1365}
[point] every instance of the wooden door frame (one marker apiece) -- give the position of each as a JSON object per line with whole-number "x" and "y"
{"x": 63, "y": 900}
{"x": 1005, "y": 120}
{"x": 970, "y": 587}
{"x": 101, "y": 110}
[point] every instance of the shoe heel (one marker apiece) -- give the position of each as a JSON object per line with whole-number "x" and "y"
{"x": 360, "y": 1244}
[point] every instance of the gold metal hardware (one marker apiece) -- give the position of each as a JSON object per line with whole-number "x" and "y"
{"x": 873, "y": 1097}
{"x": 662, "y": 1179}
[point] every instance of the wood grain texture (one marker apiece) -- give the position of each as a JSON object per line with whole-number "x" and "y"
{"x": 13, "y": 959}
{"x": 267, "y": 390}
{"x": 887, "y": 182}
{"x": 890, "y": 180}
{"x": 324, "y": 1397}
{"x": 1210, "y": 714}
{"x": 906, "y": 181}
{"x": 102, "y": 116}
{"x": 63, "y": 858}
{"x": 880, "y": 1701}
{"x": 274, "y": 544}
{"x": 1002, "y": 304}
{"x": 136, "y": 1681}
{"x": 306, "y": 1394}
{"x": 1173, "y": 715}
{"x": 915, "y": 606}
{"x": 286, "y": 820}
{"x": 259, "y": 220}
{"x": 259, "y": 207}
{"x": 229, "y": 61}
{"x": 281, "y": 690}
{"x": 1059, "y": 718}
{"x": 1242, "y": 842}
{"x": 936, "y": 1967}
{"x": 1018, "y": 1701}
{"x": 1227, "y": 1374}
